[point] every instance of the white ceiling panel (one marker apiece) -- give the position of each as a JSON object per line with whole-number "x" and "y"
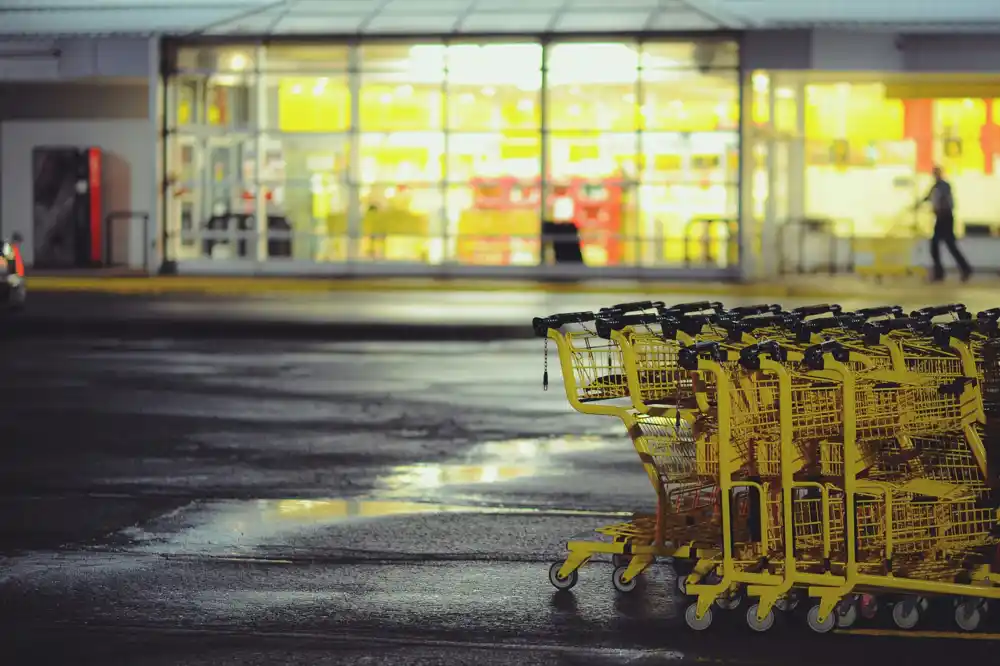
{"x": 318, "y": 25}
{"x": 88, "y": 21}
{"x": 505, "y": 22}
{"x": 28, "y": 17}
{"x": 776, "y": 12}
{"x": 388, "y": 23}
{"x": 668, "y": 21}
{"x": 601, "y": 21}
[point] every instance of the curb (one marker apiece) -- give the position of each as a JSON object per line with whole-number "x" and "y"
{"x": 226, "y": 286}
{"x": 56, "y": 328}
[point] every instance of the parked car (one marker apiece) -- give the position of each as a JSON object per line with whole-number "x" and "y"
{"x": 13, "y": 289}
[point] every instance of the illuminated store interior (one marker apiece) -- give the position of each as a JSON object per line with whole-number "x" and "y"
{"x": 433, "y": 154}
{"x": 858, "y": 149}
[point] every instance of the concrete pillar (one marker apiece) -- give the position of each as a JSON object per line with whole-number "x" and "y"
{"x": 153, "y": 239}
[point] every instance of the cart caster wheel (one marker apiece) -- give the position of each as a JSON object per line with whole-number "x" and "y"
{"x": 825, "y": 627}
{"x": 969, "y": 616}
{"x": 868, "y": 606}
{"x": 620, "y": 560}
{"x": 788, "y": 603}
{"x": 756, "y": 624}
{"x": 691, "y": 618}
{"x": 682, "y": 584}
{"x": 906, "y": 614}
{"x": 617, "y": 580}
{"x": 730, "y": 601}
{"x": 847, "y": 615}
{"x": 566, "y": 583}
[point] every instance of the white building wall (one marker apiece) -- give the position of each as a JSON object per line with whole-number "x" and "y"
{"x": 129, "y": 154}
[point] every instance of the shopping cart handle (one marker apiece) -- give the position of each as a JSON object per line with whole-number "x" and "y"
{"x": 939, "y": 310}
{"x": 818, "y": 309}
{"x": 693, "y": 324}
{"x": 874, "y": 330}
{"x": 741, "y": 311}
{"x": 894, "y": 311}
{"x": 804, "y": 330}
{"x": 750, "y": 356}
{"x": 699, "y": 306}
{"x": 542, "y": 325}
{"x": 608, "y": 322}
{"x": 988, "y": 327}
{"x": 749, "y": 324}
{"x": 992, "y": 314}
{"x": 634, "y": 306}
{"x": 688, "y": 356}
{"x": 960, "y": 330}
{"x": 814, "y": 356}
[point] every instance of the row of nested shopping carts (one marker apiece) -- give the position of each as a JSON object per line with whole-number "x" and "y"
{"x": 839, "y": 458}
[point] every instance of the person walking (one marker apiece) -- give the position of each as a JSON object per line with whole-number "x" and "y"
{"x": 943, "y": 203}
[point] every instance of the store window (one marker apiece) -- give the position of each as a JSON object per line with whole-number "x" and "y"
{"x": 494, "y": 153}
{"x": 875, "y": 144}
{"x": 214, "y": 89}
{"x": 401, "y": 152}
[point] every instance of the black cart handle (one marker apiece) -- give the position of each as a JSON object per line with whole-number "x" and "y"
{"x": 750, "y": 356}
{"x": 750, "y": 310}
{"x": 817, "y": 309}
{"x": 874, "y": 330}
{"x": 960, "y": 330}
{"x": 896, "y": 311}
{"x": 698, "y": 306}
{"x": 542, "y": 325}
{"x": 634, "y": 306}
{"x": 607, "y": 324}
{"x": 939, "y": 310}
{"x": 814, "y": 355}
{"x": 688, "y": 356}
{"x": 991, "y": 314}
{"x": 804, "y": 330}
{"x": 750, "y": 324}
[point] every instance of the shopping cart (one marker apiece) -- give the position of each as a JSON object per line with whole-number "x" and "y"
{"x": 823, "y": 454}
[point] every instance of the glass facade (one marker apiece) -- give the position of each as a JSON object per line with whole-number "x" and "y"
{"x": 838, "y": 159}
{"x": 454, "y": 154}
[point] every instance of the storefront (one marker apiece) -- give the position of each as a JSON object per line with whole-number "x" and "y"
{"x": 425, "y": 157}
{"x": 847, "y": 156}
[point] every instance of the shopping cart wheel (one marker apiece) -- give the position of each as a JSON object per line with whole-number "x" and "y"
{"x": 789, "y": 602}
{"x": 691, "y": 618}
{"x": 825, "y": 627}
{"x": 618, "y": 580}
{"x": 906, "y": 614}
{"x": 757, "y": 624}
{"x": 868, "y": 606}
{"x": 682, "y": 584}
{"x": 731, "y": 600}
{"x": 969, "y": 615}
{"x": 847, "y": 613}
{"x": 566, "y": 583}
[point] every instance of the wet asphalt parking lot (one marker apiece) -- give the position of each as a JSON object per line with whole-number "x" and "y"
{"x": 186, "y": 501}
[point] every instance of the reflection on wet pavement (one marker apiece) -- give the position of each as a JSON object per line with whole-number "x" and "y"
{"x": 235, "y": 527}
{"x": 492, "y": 462}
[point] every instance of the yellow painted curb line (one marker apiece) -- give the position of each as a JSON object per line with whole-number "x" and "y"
{"x": 311, "y": 286}
{"x": 236, "y": 286}
{"x": 899, "y": 633}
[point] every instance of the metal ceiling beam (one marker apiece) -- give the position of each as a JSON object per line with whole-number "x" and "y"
{"x": 250, "y": 13}
{"x": 715, "y": 14}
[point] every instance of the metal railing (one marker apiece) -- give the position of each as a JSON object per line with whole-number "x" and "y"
{"x": 596, "y": 249}
{"x": 813, "y": 245}
{"x": 109, "y": 227}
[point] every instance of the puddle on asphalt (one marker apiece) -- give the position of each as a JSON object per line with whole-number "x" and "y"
{"x": 492, "y": 462}
{"x": 234, "y": 527}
